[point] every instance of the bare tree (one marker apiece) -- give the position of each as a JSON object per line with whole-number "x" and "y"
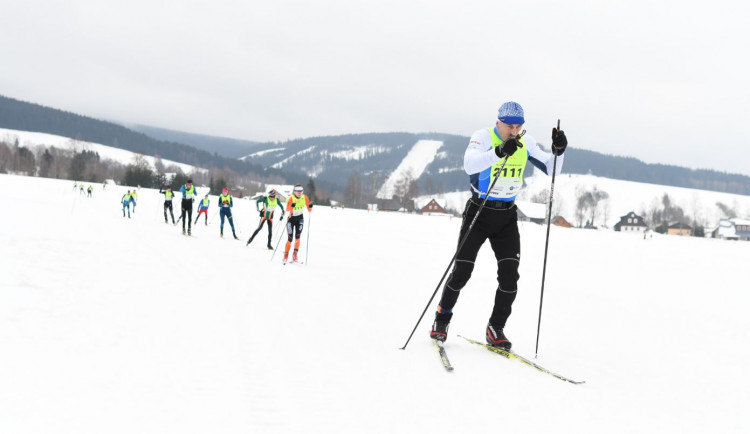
{"x": 353, "y": 195}
{"x": 606, "y": 211}
{"x": 412, "y": 192}
{"x": 581, "y": 205}
{"x": 159, "y": 165}
{"x": 654, "y": 215}
{"x": 541, "y": 197}
{"x": 594, "y": 198}
{"x": 727, "y": 211}
{"x": 5, "y": 158}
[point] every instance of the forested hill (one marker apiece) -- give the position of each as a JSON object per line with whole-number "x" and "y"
{"x": 337, "y": 161}
{"x": 231, "y": 148}
{"x": 631, "y": 169}
{"x": 26, "y": 116}
{"x": 337, "y": 157}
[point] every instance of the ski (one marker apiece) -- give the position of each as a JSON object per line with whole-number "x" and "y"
{"x": 443, "y": 355}
{"x": 511, "y": 355}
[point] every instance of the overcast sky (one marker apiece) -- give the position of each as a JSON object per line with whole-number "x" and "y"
{"x": 662, "y": 81}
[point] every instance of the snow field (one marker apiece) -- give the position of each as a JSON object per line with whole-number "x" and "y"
{"x": 124, "y": 325}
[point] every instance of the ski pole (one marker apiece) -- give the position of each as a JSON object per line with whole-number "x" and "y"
{"x": 460, "y": 245}
{"x": 546, "y": 244}
{"x": 307, "y": 243}
{"x": 279, "y": 226}
{"x": 212, "y": 217}
{"x": 234, "y": 218}
{"x": 281, "y": 235}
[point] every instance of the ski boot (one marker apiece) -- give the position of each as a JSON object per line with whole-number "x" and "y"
{"x": 439, "y": 330}
{"x": 269, "y": 247}
{"x": 183, "y": 231}
{"x": 286, "y": 257}
{"x": 496, "y": 338}
{"x": 235, "y": 236}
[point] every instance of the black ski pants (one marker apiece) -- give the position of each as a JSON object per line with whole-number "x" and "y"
{"x": 187, "y": 213}
{"x": 168, "y": 205}
{"x": 498, "y": 223}
{"x": 294, "y": 227}
{"x": 269, "y": 223}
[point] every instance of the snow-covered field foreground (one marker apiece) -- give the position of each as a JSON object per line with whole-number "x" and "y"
{"x": 112, "y": 325}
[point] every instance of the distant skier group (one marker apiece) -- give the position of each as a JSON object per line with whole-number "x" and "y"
{"x": 79, "y": 186}
{"x": 295, "y": 205}
{"x": 267, "y": 205}
{"x": 127, "y": 199}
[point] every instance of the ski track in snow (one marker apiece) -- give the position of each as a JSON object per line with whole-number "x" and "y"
{"x": 125, "y": 326}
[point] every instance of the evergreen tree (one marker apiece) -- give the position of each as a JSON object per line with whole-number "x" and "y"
{"x": 310, "y": 190}
{"x": 178, "y": 180}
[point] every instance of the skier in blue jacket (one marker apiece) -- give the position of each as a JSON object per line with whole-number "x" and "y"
{"x": 498, "y": 153}
{"x": 188, "y": 195}
{"x": 203, "y": 209}
{"x": 126, "y": 199}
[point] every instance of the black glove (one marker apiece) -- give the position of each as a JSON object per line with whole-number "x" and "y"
{"x": 261, "y": 214}
{"x": 559, "y": 141}
{"x": 508, "y": 148}
{"x": 311, "y": 205}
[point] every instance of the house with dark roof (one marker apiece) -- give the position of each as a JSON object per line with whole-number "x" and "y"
{"x": 631, "y": 222}
{"x": 732, "y": 229}
{"x": 680, "y": 228}
{"x": 431, "y": 206}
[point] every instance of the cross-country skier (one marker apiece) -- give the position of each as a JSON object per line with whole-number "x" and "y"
{"x": 168, "y": 196}
{"x": 203, "y": 209}
{"x": 486, "y": 153}
{"x": 126, "y": 199}
{"x": 90, "y": 189}
{"x": 225, "y": 207}
{"x": 133, "y": 197}
{"x": 188, "y": 195}
{"x": 266, "y": 215}
{"x": 294, "y": 206}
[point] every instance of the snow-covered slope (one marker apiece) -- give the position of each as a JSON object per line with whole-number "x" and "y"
{"x": 626, "y": 196}
{"x": 35, "y": 140}
{"x": 118, "y": 325}
{"x": 419, "y": 157}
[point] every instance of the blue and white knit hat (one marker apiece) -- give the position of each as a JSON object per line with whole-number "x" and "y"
{"x": 511, "y": 113}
